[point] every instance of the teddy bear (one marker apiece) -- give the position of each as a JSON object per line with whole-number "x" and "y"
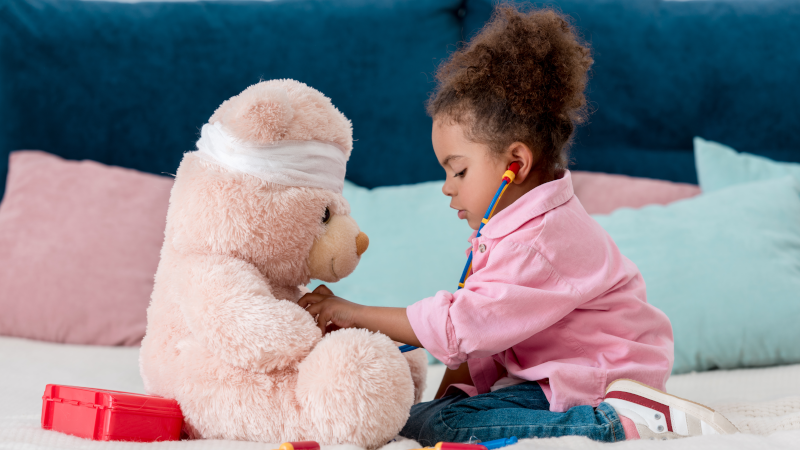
{"x": 255, "y": 213}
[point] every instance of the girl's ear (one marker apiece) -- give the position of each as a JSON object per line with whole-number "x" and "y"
{"x": 524, "y": 156}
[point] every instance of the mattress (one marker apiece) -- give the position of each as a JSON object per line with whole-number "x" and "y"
{"x": 764, "y": 403}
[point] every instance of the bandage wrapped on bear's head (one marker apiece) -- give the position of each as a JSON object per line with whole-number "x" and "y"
{"x": 289, "y": 163}
{"x": 282, "y": 132}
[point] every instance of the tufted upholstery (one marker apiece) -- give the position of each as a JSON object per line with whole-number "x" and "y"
{"x": 130, "y": 84}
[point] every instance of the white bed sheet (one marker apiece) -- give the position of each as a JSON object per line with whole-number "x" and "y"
{"x": 764, "y": 402}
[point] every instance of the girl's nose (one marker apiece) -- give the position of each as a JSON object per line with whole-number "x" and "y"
{"x": 447, "y": 189}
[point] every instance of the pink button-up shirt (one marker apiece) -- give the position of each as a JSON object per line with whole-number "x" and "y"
{"x": 551, "y": 299}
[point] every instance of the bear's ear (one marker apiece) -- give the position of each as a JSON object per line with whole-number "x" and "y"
{"x": 260, "y": 114}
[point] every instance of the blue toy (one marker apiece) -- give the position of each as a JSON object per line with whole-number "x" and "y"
{"x": 498, "y": 443}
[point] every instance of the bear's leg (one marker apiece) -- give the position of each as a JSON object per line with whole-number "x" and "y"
{"x": 354, "y": 387}
{"x": 418, "y": 363}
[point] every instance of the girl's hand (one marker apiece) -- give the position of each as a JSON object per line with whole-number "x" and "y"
{"x": 326, "y": 307}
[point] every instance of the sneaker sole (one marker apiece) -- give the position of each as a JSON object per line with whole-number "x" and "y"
{"x": 702, "y": 412}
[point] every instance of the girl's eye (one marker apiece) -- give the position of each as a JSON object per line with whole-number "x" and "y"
{"x": 460, "y": 174}
{"x": 327, "y": 217}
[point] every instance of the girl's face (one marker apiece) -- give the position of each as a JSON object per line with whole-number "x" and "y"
{"x": 473, "y": 174}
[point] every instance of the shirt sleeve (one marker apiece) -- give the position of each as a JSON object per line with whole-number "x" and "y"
{"x": 515, "y": 295}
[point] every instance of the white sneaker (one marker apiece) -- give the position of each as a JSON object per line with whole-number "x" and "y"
{"x": 658, "y": 415}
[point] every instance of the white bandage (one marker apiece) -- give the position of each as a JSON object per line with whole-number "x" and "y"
{"x": 289, "y": 163}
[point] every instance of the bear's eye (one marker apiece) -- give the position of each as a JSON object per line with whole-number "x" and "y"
{"x": 327, "y": 217}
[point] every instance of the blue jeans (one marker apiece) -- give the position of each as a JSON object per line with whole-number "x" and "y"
{"x": 522, "y": 411}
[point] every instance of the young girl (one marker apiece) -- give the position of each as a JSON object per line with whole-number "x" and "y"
{"x": 551, "y": 334}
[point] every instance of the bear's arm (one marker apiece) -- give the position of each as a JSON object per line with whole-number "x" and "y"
{"x": 230, "y": 309}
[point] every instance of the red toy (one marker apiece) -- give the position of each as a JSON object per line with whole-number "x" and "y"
{"x": 110, "y": 415}
{"x": 457, "y": 446}
{"x": 301, "y": 445}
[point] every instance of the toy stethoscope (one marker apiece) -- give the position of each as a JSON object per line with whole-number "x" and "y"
{"x": 508, "y": 177}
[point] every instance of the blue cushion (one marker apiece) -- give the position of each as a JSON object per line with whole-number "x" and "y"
{"x": 130, "y": 84}
{"x": 666, "y": 71}
{"x": 725, "y": 268}
{"x": 417, "y": 245}
{"x": 719, "y": 166}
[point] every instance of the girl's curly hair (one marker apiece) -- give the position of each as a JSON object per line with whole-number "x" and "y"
{"x": 521, "y": 79}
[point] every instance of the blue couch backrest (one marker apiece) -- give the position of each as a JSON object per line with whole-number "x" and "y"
{"x": 666, "y": 71}
{"x": 130, "y": 84}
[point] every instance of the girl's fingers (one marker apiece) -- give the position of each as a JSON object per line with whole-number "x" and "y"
{"x": 322, "y": 320}
{"x": 321, "y": 310}
{"x": 322, "y": 289}
{"x": 314, "y": 309}
{"x": 323, "y": 316}
{"x": 310, "y": 299}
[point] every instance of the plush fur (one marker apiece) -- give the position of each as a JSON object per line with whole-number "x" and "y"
{"x": 225, "y": 336}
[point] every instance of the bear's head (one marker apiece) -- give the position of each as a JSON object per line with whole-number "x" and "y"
{"x": 265, "y": 186}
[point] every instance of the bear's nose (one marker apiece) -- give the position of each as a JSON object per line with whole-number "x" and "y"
{"x": 362, "y": 242}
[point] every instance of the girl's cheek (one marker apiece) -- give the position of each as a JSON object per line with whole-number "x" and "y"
{"x": 472, "y": 197}
{"x": 465, "y": 195}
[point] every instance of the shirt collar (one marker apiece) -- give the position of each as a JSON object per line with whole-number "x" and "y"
{"x": 538, "y": 201}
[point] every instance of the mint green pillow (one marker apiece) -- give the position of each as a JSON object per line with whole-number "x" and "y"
{"x": 725, "y": 268}
{"x": 719, "y": 166}
{"x": 417, "y": 245}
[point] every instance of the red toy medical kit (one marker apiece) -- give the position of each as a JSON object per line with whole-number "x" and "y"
{"x": 105, "y": 415}
{"x": 508, "y": 178}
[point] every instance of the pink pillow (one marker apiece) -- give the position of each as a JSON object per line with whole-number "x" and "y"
{"x": 79, "y": 246}
{"x": 601, "y": 193}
